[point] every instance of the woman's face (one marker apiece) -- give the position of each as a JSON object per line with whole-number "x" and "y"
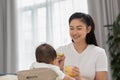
{"x": 78, "y": 30}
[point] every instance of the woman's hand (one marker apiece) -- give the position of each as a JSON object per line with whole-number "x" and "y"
{"x": 61, "y": 59}
{"x": 76, "y": 71}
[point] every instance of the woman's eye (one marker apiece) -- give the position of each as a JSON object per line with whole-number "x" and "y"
{"x": 79, "y": 28}
{"x": 71, "y": 28}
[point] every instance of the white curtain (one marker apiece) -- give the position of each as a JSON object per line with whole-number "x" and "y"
{"x": 8, "y": 50}
{"x": 104, "y": 13}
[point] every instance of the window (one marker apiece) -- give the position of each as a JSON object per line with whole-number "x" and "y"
{"x": 41, "y": 21}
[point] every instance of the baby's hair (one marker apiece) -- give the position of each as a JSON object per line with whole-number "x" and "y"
{"x": 45, "y": 53}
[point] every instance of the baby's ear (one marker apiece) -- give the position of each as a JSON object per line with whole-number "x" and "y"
{"x": 52, "y": 62}
{"x": 56, "y": 62}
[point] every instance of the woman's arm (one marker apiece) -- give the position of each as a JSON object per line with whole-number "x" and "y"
{"x": 101, "y": 75}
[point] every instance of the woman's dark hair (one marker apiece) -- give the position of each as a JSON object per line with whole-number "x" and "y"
{"x": 45, "y": 53}
{"x": 87, "y": 19}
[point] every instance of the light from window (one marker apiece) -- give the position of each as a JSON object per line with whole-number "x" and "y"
{"x": 41, "y": 26}
{"x": 43, "y": 21}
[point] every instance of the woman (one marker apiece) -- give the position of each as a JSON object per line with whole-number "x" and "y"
{"x": 90, "y": 61}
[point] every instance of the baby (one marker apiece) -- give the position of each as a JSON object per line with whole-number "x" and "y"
{"x": 46, "y": 57}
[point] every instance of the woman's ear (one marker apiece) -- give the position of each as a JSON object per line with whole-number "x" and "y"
{"x": 88, "y": 29}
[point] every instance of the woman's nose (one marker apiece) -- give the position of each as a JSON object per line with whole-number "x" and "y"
{"x": 74, "y": 31}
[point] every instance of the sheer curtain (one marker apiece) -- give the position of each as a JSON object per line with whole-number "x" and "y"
{"x": 43, "y": 21}
{"x": 104, "y": 13}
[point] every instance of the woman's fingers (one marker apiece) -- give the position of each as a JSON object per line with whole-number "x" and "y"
{"x": 61, "y": 59}
{"x": 76, "y": 71}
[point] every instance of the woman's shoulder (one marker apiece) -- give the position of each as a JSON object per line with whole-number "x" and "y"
{"x": 96, "y": 49}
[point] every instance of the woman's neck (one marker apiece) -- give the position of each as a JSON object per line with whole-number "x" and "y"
{"x": 80, "y": 47}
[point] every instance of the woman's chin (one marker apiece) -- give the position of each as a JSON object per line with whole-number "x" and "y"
{"x": 76, "y": 41}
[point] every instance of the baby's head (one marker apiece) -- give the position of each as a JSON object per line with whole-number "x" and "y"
{"x": 45, "y": 53}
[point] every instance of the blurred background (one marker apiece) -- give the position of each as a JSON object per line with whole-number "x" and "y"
{"x": 24, "y": 24}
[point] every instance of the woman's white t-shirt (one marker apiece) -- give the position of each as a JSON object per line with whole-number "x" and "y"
{"x": 91, "y": 60}
{"x": 60, "y": 74}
